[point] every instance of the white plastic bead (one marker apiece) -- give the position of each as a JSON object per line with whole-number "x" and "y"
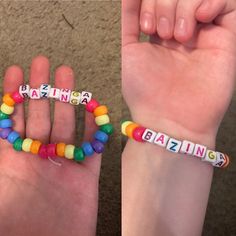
{"x": 85, "y": 97}
{"x": 187, "y": 147}
{"x": 65, "y": 95}
{"x": 220, "y": 160}
{"x": 24, "y": 90}
{"x": 210, "y": 156}
{"x": 75, "y": 98}
{"x": 45, "y": 90}
{"x": 173, "y": 145}
{"x": 199, "y": 151}
{"x": 34, "y": 94}
{"x": 161, "y": 139}
{"x": 149, "y": 135}
{"x": 54, "y": 93}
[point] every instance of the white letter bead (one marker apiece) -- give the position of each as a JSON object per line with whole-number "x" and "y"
{"x": 187, "y": 147}
{"x": 65, "y": 95}
{"x": 34, "y": 94}
{"x": 45, "y": 90}
{"x": 24, "y": 90}
{"x": 220, "y": 160}
{"x": 173, "y": 145}
{"x": 199, "y": 151}
{"x": 210, "y": 156}
{"x": 161, "y": 139}
{"x": 149, "y": 135}
{"x": 75, "y": 98}
{"x": 54, "y": 93}
{"x": 85, "y": 97}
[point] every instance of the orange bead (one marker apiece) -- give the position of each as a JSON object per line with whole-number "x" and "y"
{"x": 8, "y": 100}
{"x": 130, "y": 129}
{"x": 60, "y": 150}
{"x": 226, "y": 162}
{"x": 34, "y": 148}
{"x": 100, "y": 110}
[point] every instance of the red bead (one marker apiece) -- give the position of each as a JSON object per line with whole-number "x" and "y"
{"x": 51, "y": 150}
{"x": 17, "y": 97}
{"x": 43, "y": 151}
{"x": 138, "y": 133}
{"x": 90, "y": 107}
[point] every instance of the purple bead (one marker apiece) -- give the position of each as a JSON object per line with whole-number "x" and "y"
{"x": 98, "y": 146}
{"x": 5, "y": 132}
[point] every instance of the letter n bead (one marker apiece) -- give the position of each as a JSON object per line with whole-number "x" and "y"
{"x": 65, "y": 95}
{"x": 149, "y": 135}
{"x": 199, "y": 151}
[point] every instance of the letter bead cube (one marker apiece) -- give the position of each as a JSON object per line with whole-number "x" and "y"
{"x": 24, "y": 90}
{"x": 85, "y": 97}
{"x": 220, "y": 160}
{"x": 75, "y": 98}
{"x": 45, "y": 90}
{"x": 187, "y": 147}
{"x": 149, "y": 135}
{"x": 54, "y": 93}
{"x": 173, "y": 145}
{"x": 210, "y": 156}
{"x": 161, "y": 139}
{"x": 34, "y": 94}
{"x": 65, "y": 95}
{"x": 199, "y": 151}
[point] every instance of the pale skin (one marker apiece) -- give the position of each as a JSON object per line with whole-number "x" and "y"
{"x": 38, "y": 197}
{"x": 179, "y": 83}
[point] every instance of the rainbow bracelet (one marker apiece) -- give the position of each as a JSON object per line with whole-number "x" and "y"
{"x": 68, "y": 151}
{"x": 142, "y": 134}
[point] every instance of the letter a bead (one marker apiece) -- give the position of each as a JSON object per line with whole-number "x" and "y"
{"x": 34, "y": 94}
{"x": 221, "y": 159}
{"x": 161, "y": 139}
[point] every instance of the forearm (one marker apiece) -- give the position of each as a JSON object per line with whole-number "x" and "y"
{"x": 163, "y": 193}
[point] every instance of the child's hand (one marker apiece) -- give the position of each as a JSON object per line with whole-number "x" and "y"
{"x": 38, "y": 197}
{"x": 181, "y": 90}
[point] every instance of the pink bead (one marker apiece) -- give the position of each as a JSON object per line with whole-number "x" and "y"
{"x": 17, "y": 97}
{"x": 43, "y": 151}
{"x": 138, "y": 133}
{"x": 90, "y": 107}
{"x": 51, "y": 150}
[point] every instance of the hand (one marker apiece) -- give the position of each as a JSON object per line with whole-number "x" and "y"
{"x": 181, "y": 86}
{"x": 38, "y": 197}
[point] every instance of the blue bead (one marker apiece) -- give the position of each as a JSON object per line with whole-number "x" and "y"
{"x": 98, "y": 146}
{"x": 6, "y": 123}
{"x": 101, "y": 136}
{"x": 87, "y": 148}
{"x": 13, "y": 136}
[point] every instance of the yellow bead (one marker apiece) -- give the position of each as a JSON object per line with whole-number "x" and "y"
{"x": 27, "y": 144}
{"x": 7, "y": 109}
{"x": 102, "y": 120}
{"x": 69, "y": 151}
{"x": 124, "y": 125}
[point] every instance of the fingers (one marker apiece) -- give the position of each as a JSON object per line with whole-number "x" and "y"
{"x": 148, "y": 17}
{"x": 12, "y": 80}
{"x": 38, "y": 123}
{"x": 130, "y": 21}
{"x": 63, "y": 129}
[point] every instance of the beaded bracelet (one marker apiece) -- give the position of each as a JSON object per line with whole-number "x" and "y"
{"x": 142, "y": 134}
{"x": 68, "y": 151}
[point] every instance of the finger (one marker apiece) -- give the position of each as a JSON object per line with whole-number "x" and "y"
{"x": 63, "y": 129}
{"x": 222, "y": 12}
{"x": 148, "y": 17}
{"x": 12, "y": 81}
{"x": 38, "y": 122}
{"x": 130, "y": 21}
{"x": 165, "y": 13}
{"x": 185, "y": 22}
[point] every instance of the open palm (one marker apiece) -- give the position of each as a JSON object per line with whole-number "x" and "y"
{"x": 180, "y": 89}
{"x": 38, "y": 197}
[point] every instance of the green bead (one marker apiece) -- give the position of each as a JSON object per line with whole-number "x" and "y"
{"x": 79, "y": 154}
{"x": 3, "y": 116}
{"x": 107, "y": 128}
{"x": 17, "y": 145}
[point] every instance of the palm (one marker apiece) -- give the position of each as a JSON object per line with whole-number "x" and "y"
{"x": 190, "y": 86}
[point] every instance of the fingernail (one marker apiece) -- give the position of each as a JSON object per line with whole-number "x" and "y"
{"x": 147, "y": 22}
{"x": 205, "y": 4}
{"x": 181, "y": 27}
{"x": 163, "y": 27}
